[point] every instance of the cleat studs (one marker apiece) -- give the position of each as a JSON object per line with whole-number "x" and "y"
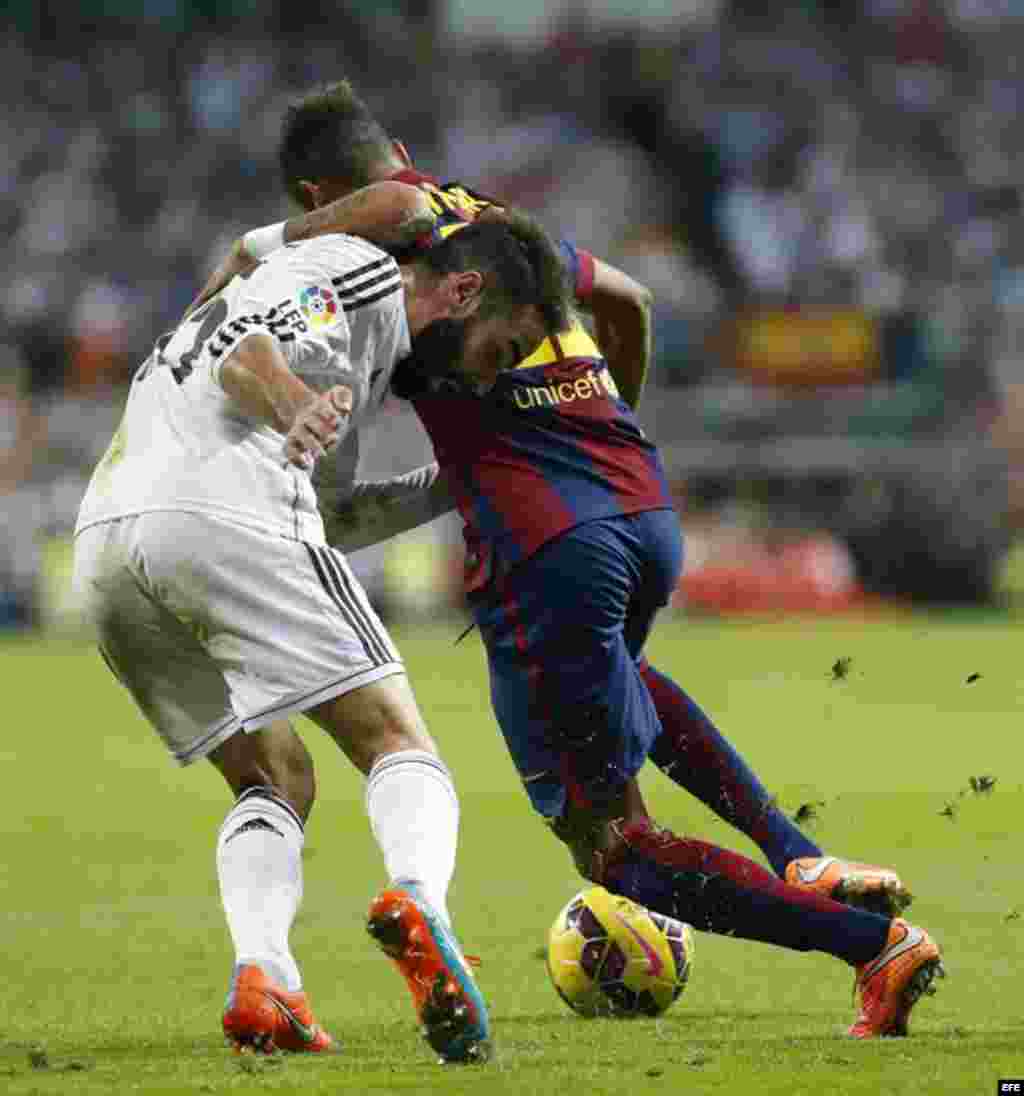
{"x": 922, "y": 984}
{"x": 480, "y": 1052}
{"x": 387, "y": 930}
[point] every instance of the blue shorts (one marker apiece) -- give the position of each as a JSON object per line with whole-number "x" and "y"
{"x": 564, "y": 631}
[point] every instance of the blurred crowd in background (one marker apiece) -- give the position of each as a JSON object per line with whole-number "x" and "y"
{"x": 823, "y": 196}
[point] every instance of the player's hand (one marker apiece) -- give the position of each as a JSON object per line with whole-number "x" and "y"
{"x": 237, "y": 261}
{"x": 318, "y": 426}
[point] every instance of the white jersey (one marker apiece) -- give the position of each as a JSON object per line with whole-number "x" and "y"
{"x": 336, "y": 306}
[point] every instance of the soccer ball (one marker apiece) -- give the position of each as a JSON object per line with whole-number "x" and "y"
{"x": 607, "y": 956}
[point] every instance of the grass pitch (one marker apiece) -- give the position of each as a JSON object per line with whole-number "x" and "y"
{"x": 115, "y": 956}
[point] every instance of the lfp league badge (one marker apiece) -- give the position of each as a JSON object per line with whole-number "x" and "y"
{"x": 319, "y": 306}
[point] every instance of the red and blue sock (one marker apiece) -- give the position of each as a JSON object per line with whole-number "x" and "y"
{"x": 719, "y": 891}
{"x": 691, "y": 752}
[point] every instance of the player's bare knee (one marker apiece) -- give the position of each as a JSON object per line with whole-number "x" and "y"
{"x": 294, "y": 778}
{"x": 594, "y": 834}
{"x": 586, "y": 835}
{"x": 374, "y": 721}
{"x": 300, "y": 778}
{"x": 273, "y": 757}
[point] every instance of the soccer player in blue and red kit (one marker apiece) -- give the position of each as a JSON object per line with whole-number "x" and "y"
{"x": 572, "y": 547}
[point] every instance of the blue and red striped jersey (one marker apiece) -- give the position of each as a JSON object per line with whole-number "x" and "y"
{"x": 549, "y": 447}
{"x": 552, "y": 445}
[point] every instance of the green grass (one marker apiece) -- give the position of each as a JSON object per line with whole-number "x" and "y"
{"x": 115, "y": 956}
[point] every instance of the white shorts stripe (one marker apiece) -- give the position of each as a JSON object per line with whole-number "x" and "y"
{"x": 332, "y": 588}
{"x": 334, "y": 580}
{"x": 380, "y": 639}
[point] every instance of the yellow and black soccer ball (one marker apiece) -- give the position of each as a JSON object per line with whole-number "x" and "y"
{"x": 607, "y": 956}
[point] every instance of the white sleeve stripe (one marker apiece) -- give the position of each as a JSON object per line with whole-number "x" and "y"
{"x": 352, "y": 291}
{"x": 360, "y": 302}
{"x": 352, "y": 276}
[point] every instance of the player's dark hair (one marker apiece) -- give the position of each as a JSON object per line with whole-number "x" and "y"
{"x": 519, "y": 264}
{"x": 331, "y": 134}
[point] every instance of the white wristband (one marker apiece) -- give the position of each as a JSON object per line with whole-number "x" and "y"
{"x": 260, "y": 242}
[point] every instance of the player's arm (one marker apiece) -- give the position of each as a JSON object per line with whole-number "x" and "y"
{"x": 258, "y": 380}
{"x": 621, "y": 308}
{"x": 377, "y": 510}
{"x": 388, "y": 213}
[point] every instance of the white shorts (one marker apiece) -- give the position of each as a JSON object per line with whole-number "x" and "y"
{"x": 215, "y": 627}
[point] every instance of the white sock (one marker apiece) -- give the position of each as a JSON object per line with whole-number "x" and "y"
{"x": 259, "y": 867}
{"x": 414, "y": 812}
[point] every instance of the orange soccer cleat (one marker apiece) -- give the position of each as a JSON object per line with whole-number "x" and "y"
{"x": 879, "y": 890}
{"x": 891, "y": 984}
{"x": 448, "y": 1002}
{"x": 261, "y": 1016}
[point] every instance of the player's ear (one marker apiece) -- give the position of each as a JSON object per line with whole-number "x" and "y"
{"x": 464, "y": 291}
{"x": 401, "y": 152}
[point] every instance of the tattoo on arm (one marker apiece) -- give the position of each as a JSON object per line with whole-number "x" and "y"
{"x": 388, "y": 213}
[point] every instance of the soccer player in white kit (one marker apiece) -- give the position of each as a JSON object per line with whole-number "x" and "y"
{"x": 201, "y": 558}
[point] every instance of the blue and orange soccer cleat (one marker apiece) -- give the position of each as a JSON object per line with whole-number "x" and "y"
{"x": 892, "y": 983}
{"x": 879, "y": 890}
{"x": 261, "y": 1016}
{"x": 449, "y": 1004}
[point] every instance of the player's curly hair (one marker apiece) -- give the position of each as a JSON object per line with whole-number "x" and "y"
{"x": 519, "y": 263}
{"x": 331, "y": 134}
